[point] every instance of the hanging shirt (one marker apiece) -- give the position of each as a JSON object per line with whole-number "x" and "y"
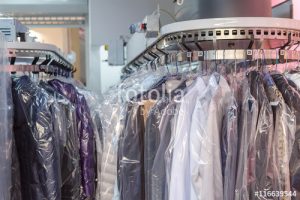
{"x": 205, "y": 140}
{"x": 152, "y": 141}
{"x": 180, "y": 183}
{"x": 285, "y": 124}
{"x": 198, "y": 135}
{"x": 247, "y": 127}
{"x": 291, "y": 96}
{"x": 295, "y": 157}
{"x": 260, "y": 144}
{"x": 159, "y": 190}
{"x": 229, "y": 149}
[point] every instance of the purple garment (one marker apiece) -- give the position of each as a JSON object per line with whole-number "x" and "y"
{"x": 86, "y": 135}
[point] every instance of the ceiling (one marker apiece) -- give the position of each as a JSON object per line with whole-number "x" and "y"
{"x": 66, "y": 13}
{"x": 21, "y": 8}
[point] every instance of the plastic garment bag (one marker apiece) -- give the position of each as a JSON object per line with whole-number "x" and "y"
{"x": 113, "y": 113}
{"x": 140, "y": 82}
{"x": 247, "y": 127}
{"x": 230, "y": 136}
{"x": 6, "y": 122}
{"x": 86, "y": 135}
{"x": 152, "y": 141}
{"x": 284, "y": 136}
{"x": 292, "y": 98}
{"x": 131, "y": 155}
{"x": 168, "y": 157}
{"x": 180, "y": 183}
{"x": 198, "y": 134}
{"x": 36, "y": 141}
{"x": 290, "y": 95}
{"x": 159, "y": 190}
{"x": 229, "y": 147}
{"x": 93, "y": 101}
{"x": 205, "y": 152}
{"x": 65, "y": 123}
{"x": 261, "y": 177}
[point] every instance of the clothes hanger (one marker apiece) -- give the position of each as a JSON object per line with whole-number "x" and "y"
{"x": 174, "y": 82}
{"x": 216, "y": 74}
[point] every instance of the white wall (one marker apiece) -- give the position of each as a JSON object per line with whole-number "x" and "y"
{"x": 110, "y": 75}
{"x": 108, "y": 20}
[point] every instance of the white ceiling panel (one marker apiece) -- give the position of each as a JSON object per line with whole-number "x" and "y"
{"x": 31, "y": 2}
{"x": 20, "y": 8}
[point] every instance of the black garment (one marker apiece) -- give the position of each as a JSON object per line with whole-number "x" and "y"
{"x": 15, "y": 192}
{"x": 131, "y": 156}
{"x": 152, "y": 141}
{"x": 290, "y": 94}
{"x": 261, "y": 144}
{"x": 36, "y": 142}
{"x": 65, "y": 123}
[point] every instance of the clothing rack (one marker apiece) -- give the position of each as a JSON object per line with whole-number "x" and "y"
{"x": 270, "y": 39}
{"x": 37, "y": 57}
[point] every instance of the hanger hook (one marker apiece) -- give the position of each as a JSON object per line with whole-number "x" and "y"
{"x": 286, "y": 63}
{"x": 216, "y": 65}
{"x": 235, "y": 63}
{"x": 298, "y": 59}
{"x": 224, "y": 54}
{"x": 257, "y": 59}
{"x": 277, "y": 55}
{"x": 189, "y": 54}
{"x": 176, "y": 62}
{"x": 264, "y": 63}
{"x": 166, "y": 64}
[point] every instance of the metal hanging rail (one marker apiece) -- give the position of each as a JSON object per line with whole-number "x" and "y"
{"x": 225, "y": 36}
{"x": 32, "y": 54}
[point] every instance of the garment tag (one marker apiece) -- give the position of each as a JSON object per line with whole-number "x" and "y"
{"x": 274, "y": 103}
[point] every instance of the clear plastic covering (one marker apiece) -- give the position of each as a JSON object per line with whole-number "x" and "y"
{"x": 93, "y": 101}
{"x": 86, "y": 135}
{"x": 140, "y": 82}
{"x": 159, "y": 187}
{"x": 130, "y": 155}
{"x": 227, "y": 137}
{"x": 113, "y": 113}
{"x": 229, "y": 148}
{"x": 290, "y": 93}
{"x": 152, "y": 139}
{"x": 247, "y": 127}
{"x": 36, "y": 141}
{"x": 179, "y": 161}
{"x": 260, "y": 177}
{"x": 65, "y": 127}
{"x": 6, "y": 123}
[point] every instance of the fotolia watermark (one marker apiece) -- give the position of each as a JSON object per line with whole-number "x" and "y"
{"x": 140, "y": 93}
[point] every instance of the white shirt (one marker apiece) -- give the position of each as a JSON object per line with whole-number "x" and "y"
{"x": 206, "y": 167}
{"x": 198, "y": 134}
{"x": 179, "y": 188}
